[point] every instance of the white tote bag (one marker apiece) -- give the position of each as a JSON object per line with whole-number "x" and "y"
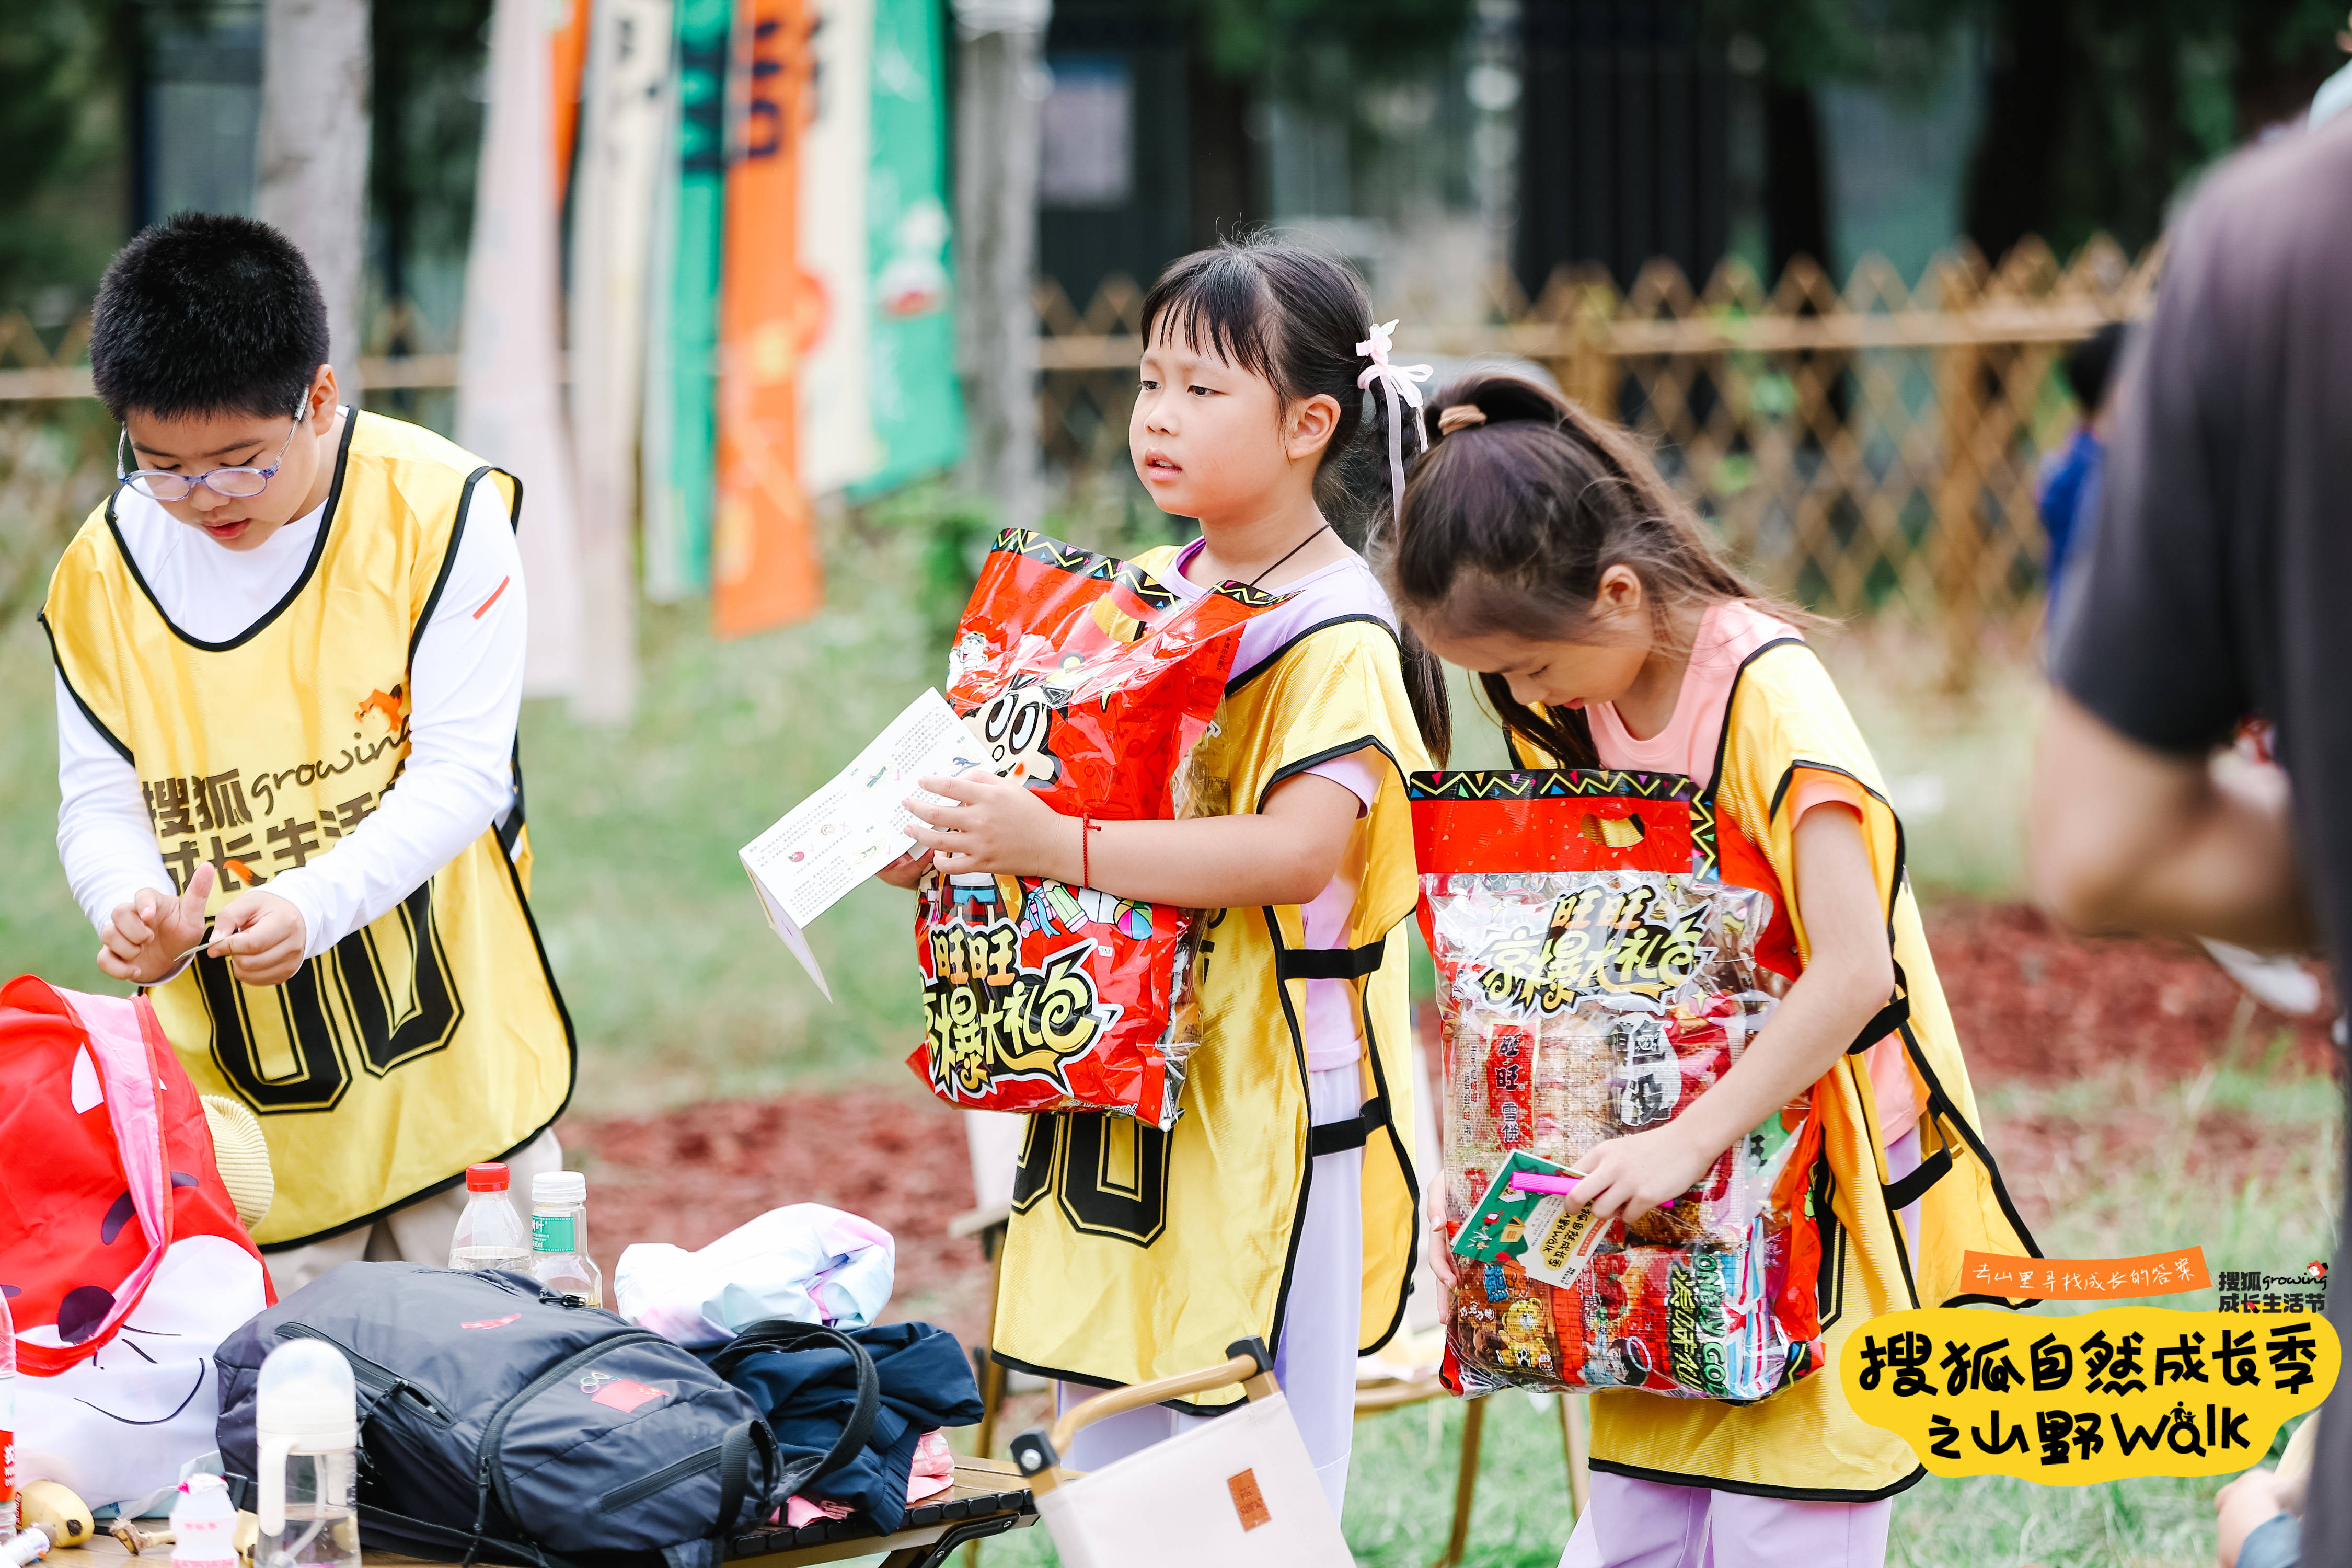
{"x": 1238, "y": 1491}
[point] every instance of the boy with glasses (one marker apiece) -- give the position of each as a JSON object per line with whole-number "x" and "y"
{"x": 289, "y": 663}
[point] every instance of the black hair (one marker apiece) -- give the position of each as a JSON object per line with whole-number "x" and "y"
{"x": 2091, "y": 365}
{"x": 1514, "y": 515}
{"x": 1292, "y": 317}
{"x": 206, "y": 313}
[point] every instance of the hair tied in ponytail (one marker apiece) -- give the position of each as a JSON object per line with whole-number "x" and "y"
{"x": 1461, "y": 416}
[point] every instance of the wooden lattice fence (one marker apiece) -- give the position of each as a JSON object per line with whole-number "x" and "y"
{"x": 1864, "y": 449}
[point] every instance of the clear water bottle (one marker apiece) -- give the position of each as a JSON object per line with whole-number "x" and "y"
{"x": 490, "y": 1234}
{"x": 204, "y": 1524}
{"x": 559, "y": 1236}
{"x": 306, "y": 1428}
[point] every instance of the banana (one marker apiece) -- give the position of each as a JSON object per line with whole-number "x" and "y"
{"x": 64, "y": 1516}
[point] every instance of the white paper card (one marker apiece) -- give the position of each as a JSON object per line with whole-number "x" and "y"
{"x": 1561, "y": 1241}
{"x": 855, "y": 824}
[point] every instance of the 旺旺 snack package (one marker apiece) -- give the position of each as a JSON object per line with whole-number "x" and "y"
{"x": 1087, "y": 679}
{"x": 1599, "y": 939}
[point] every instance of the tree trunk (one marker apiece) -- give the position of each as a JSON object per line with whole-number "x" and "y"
{"x": 310, "y": 172}
{"x": 1000, "y": 86}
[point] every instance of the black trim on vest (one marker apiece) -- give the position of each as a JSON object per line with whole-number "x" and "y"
{"x": 58, "y": 659}
{"x": 309, "y": 568}
{"x": 1344, "y": 748}
{"x": 1270, "y": 660}
{"x": 1339, "y": 1137}
{"x": 1900, "y": 1194}
{"x": 1940, "y": 1106}
{"x": 448, "y": 557}
{"x": 1306, "y": 1114}
{"x": 1329, "y": 963}
{"x": 1723, "y": 736}
{"x": 571, "y": 1046}
{"x": 1887, "y": 1019}
{"x": 1758, "y": 1489}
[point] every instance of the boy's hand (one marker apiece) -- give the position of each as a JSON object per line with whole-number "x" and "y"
{"x": 142, "y": 939}
{"x": 262, "y": 935}
{"x": 1627, "y": 1177}
{"x": 995, "y": 825}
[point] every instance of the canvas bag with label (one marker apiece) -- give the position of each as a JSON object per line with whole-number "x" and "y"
{"x": 1088, "y": 680}
{"x": 119, "y": 1246}
{"x": 1602, "y": 941}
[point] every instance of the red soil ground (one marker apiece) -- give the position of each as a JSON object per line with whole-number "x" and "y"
{"x": 2032, "y": 1006}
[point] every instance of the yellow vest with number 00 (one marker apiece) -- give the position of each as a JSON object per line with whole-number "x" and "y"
{"x": 429, "y": 1039}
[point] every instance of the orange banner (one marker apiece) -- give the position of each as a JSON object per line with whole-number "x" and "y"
{"x": 764, "y": 566}
{"x": 567, "y": 53}
{"x": 2087, "y": 1279}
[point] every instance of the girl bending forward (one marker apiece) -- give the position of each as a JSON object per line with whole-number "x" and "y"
{"x": 1539, "y": 548}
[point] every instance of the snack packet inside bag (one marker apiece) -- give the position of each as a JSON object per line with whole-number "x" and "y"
{"x": 1088, "y": 680}
{"x": 1599, "y": 939}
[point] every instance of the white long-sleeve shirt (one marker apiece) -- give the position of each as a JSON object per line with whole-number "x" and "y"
{"x": 464, "y": 694}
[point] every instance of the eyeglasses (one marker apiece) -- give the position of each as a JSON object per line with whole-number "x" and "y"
{"x": 157, "y": 484}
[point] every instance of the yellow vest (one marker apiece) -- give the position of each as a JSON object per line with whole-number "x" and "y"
{"x": 1134, "y": 1253}
{"x": 1806, "y": 1442}
{"x": 426, "y": 1041}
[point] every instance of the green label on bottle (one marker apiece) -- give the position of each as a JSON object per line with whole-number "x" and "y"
{"x": 551, "y": 1232}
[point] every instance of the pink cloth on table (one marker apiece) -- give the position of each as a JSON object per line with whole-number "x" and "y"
{"x": 932, "y": 1473}
{"x": 1728, "y": 633}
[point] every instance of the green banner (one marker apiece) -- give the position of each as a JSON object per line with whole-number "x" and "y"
{"x": 917, "y": 402}
{"x": 681, "y": 415}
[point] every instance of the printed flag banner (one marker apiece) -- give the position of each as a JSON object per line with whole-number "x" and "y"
{"x": 509, "y": 409}
{"x": 622, "y": 133}
{"x": 764, "y": 566}
{"x": 916, "y": 405}
{"x": 567, "y": 62}
{"x": 838, "y": 442}
{"x": 682, "y": 386}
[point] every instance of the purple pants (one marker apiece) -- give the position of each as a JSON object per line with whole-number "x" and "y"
{"x": 1643, "y": 1524}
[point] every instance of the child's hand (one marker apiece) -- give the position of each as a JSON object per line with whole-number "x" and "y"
{"x": 262, "y": 935}
{"x": 995, "y": 825}
{"x": 1443, "y": 1264}
{"x": 142, "y": 939}
{"x": 907, "y": 870}
{"x": 1627, "y": 1177}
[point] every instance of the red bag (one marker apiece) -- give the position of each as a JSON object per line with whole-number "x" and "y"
{"x": 1090, "y": 680}
{"x": 1599, "y": 939}
{"x": 114, "y": 1226}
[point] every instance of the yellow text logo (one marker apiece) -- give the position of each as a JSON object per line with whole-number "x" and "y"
{"x": 2126, "y": 1391}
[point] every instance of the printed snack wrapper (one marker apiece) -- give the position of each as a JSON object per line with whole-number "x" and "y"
{"x": 1090, "y": 680}
{"x": 1600, "y": 942}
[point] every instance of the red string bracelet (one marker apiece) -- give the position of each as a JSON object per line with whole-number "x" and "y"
{"x": 1087, "y": 827}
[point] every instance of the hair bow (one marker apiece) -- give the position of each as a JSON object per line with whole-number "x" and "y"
{"x": 1397, "y": 381}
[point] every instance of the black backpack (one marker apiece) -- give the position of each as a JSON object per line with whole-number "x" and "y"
{"x": 500, "y": 1420}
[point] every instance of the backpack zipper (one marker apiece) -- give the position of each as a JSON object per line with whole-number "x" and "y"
{"x": 643, "y": 1487}
{"x": 375, "y": 1374}
{"x": 493, "y": 1462}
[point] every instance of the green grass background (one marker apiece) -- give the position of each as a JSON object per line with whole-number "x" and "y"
{"x": 680, "y": 993}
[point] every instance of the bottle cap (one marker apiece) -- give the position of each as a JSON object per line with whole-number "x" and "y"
{"x": 202, "y": 1483}
{"x": 554, "y": 1187}
{"x": 489, "y": 1178}
{"x": 305, "y": 1398}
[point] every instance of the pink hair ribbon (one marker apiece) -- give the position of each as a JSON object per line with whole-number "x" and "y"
{"x": 1397, "y": 381}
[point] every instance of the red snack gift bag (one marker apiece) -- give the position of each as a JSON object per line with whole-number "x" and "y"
{"x": 1089, "y": 682}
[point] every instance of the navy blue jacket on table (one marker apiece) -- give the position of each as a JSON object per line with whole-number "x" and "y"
{"x": 809, "y": 1393}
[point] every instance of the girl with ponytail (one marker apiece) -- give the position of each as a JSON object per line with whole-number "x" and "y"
{"x": 1537, "y": 547}
{"x": 1281, "y": 1205}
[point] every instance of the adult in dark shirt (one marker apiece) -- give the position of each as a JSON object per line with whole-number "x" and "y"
{"x": 2217, "y": 585}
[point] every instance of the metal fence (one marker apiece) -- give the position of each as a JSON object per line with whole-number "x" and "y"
{"x": 1866, "y": 449}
